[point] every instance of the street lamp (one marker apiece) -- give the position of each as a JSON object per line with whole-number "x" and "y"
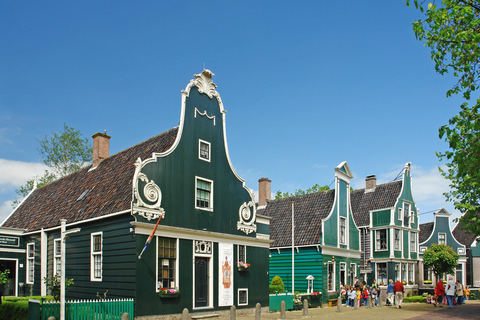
{"x": 64, "y": 234}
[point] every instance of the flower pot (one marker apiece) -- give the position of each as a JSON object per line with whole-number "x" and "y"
{"x": 242, "y": 269}
{"x": 168, "y": 295}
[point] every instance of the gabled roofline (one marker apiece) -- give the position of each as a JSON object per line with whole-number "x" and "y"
{"x": 28, "y": 195}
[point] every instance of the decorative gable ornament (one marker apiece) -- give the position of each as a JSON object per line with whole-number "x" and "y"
{"x": 150, "y": 192}
{"x": 247, "y": 217}
{"x": 203, "y": 81}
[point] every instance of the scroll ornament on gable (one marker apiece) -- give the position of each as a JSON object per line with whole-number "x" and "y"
{"x": 147, "y": 194}
{"x": 247, "y": 217}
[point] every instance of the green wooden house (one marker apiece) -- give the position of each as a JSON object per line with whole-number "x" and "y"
{"x": 439, "y": 232}
{"x": 472, "y": 251}
{"x": 326, "y": 240}
{"x": 386, "y": 215}
{"x": 209, "y": 228}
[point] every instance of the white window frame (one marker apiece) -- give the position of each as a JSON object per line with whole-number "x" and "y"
{"x": 461, "y": 250}
{"x": 354, "y": 268}
{"x": 94, "y": 254}
{"x": 411, "y": 271}
{"x": 399, "y": 239}
{"x": 200, "y": 150}
{"x": 244, "y": 251}
{"x": 343, "y": 240}
{"x": 400, "y": 214}
{"x": 30, "y": 263}
{"x": 377, "y": 246}
{"x": 238, "y": 296}
{"x": 343, "y": 266}
{"x": 331, "y": 263}
{"x": 398, "y": 271}
{"x": 422, "y": 249}
{"x": 412, "y": 216}
{"x": 444, "y": 237}
{"x": 210, "y": 207}
{"x": 177, "y": 278}
{"x": 408, "y": 212}
{"x": 413, "y": 241}
{"x": 57, "y": 256}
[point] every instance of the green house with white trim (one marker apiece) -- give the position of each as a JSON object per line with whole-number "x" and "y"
{"x": 326, "y": 239}
{"x": 209, "y": 228}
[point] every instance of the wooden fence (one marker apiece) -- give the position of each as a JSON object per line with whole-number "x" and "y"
{"x": 111, "y": 309}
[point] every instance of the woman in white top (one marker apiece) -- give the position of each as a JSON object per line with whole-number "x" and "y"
{"x": 450, "y": 291}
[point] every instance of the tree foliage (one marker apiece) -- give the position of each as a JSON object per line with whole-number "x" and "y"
{"x": 63, "y": 152}
{"x": 451, "y": 30}
{"x": 441, "y": 259}
{"x": 315, "y": 188}
{"x": 55, "y": 284}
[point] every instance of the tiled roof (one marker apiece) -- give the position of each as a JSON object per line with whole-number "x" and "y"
{"x": 109, "y": 188}
{"x": 384, "y": 196}
{"x": 309, "y": 211}
{"x": 426, "y": 230}
{"x": 463, "y": 236}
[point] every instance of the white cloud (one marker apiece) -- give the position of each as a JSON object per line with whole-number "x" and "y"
{"x": 16, "y": 173}
{"x": 5, "y": 209}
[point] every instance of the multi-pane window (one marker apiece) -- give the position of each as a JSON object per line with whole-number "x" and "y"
{"x": 204, "y": 150}
{"x": 342, "y": 230}
{"x": 343, "y": 273}
{"x": 397, "y": 271}
{"x": 96, "y": 257}
{"x": 381, "y": 238}
{"x": 30, "y": 262}
{"x": 413, "y": 242}
{"x": 411, "y": 272}
{"x": 331, "y": 276}
{"x": 57, "y": 256}
{"x": 167, "y": 257}
{"x": 442, "y": 238}
{"x": 406, "y": 214}
{"x": 204, "y": 194}
{"x": 404, "y": 272}
{"x": 397, "y": 239}
{"x": 382, "y": 273}
{"x": 242, "y": 297}
{"x": 427, "y": 273}
{"x": 242, "y": 253}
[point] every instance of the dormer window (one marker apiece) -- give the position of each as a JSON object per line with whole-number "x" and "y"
{"x": 204, "y": 150}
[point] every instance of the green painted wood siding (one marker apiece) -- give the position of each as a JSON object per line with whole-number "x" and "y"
{"x": 307, "y": 262}
{"x": 381, "y": 218}
{"x": 442, "y": 225}
{"x": 33, "y": 289}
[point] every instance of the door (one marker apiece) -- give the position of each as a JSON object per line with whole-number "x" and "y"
{"x": 201, "y": 282}
{"x": 12, "y": 266}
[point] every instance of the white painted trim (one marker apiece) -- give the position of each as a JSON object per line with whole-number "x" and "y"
{"x": 92, "y": 259}
{"x": 347, "y": 253}
{"x": 28, "y": 264}
{"x": 43, "y": 262}
{"x": 15, "y": 286}
{"x": 13, "y": 250}
{"x": 238, "y": 253}
{"x": 193, "y": 234}
{"x": 238, "y": 296}
{"x": 386, "y": 238}
{"x": 334, "y": 275}
{"x": 55, "y": 241}
{"x": 12, "y": 231}
{"x": 210, "y": 207}
{"x": 263, "y": 219}
{"x": 200, "y": 141}
{"x": 24, "y": 199}
{"x": 438, "y": 238}
{"x": 177, "y": 258}
{"x": 210, "y": 278}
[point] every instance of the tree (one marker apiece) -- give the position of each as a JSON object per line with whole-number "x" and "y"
{"x": 452, "y": 32}
{"x": 54, "y": 285}
{"x": 64, "y": 153}
{"x": 314, "y": 189}
{"x": 441, "y": 259}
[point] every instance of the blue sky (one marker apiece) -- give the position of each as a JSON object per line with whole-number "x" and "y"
{"x": 306, "y": 85}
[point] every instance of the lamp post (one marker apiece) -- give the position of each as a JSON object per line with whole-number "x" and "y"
{"x": 293, "y": 248}
{"x": 64, "y": 234}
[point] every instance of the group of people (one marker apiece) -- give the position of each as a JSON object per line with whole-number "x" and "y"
{"x": 453, "y": 293}
{"x": 361, "y": 291}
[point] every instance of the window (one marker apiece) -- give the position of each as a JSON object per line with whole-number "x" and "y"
{"x": 397, "y": 239}
{"x": 382, "y": 273}
{"x": 352, "y": 272}
{"x": 461, "y": 250}
{"x": 204, "y": 150}
{"x": 381, "y": 236}
{"x": 30, "y": 262}
{"x": 166, "y": 262}
{"x": 442, "y": 238}
{"x": 397, "y": 271}
{"x": 242, "y": 297}
{"x": 343, "y": 273}
{"x": 331, "y": 276}
{"x": 400, "y": 216}
{"x": 404, "y": 272}
{"x": 413, "y": 242}
{"x": 411, "y": 272}
{"x": 406, "y": 212}
{"x": 96, "y": 257}
{"x": 422, "y": 249}
{"x": 204, "y": 194}
{"x": 57, "y": 256}
{"x": 342, "y": 230}
{"x": 427, "y": 274}
{"x": 242, "y": 253}
{"x": 412, "y": 217}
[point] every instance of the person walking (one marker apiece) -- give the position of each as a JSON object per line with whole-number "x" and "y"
{"x": 459, "y": 290}
{"x": 450, "y": 291}
{"x": 390, "y": 292}
{"x": 399, "y": 290}
{"x": 440, "y": 292}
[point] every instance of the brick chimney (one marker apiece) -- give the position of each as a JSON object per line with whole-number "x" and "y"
{"x": 264, "y": 191}
{"x": 370, "y": 183}
{"x": 101, "y": 148}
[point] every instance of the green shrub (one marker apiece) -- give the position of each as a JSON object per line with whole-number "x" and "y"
{"x": 409, "y": 293}
{"x": 275, "y": 289}
{"x": 277, "y": 281}
{"x": 415, "y": 299}
{"x": 473, "y": 296}
{"x": 14, "y": 310}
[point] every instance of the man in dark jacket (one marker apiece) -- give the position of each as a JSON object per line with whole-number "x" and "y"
{"x": 398, "y": 290}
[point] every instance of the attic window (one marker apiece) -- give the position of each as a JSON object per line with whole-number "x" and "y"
{"x": 83, "y": 195}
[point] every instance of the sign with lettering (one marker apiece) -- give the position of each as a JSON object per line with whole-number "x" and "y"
{"x": 9, "y": 241}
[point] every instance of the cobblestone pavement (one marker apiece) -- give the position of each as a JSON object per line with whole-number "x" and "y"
{"x": 415, "y": 311}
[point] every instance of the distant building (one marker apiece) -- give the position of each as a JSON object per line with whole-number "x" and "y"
{"x": 472, "y": 252}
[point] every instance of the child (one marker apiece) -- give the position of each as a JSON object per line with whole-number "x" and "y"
{"x": 373, "y": 293}
{"x": 353, "y": 294}
{"x": 431, "y": 300}
{"x": 347, "y": 295}
{"x": 365, "y": 296}
{"x": 467, "y": 292}
{"x": 359, "y": 295}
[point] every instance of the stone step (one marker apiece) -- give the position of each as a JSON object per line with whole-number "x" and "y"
{"x": 205, "y": 316}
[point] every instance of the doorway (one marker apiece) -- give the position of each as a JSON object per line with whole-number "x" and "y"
{"x": 201, "y": 282}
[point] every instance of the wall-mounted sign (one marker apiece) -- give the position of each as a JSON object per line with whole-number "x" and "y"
{"x": 9, "y": 241}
